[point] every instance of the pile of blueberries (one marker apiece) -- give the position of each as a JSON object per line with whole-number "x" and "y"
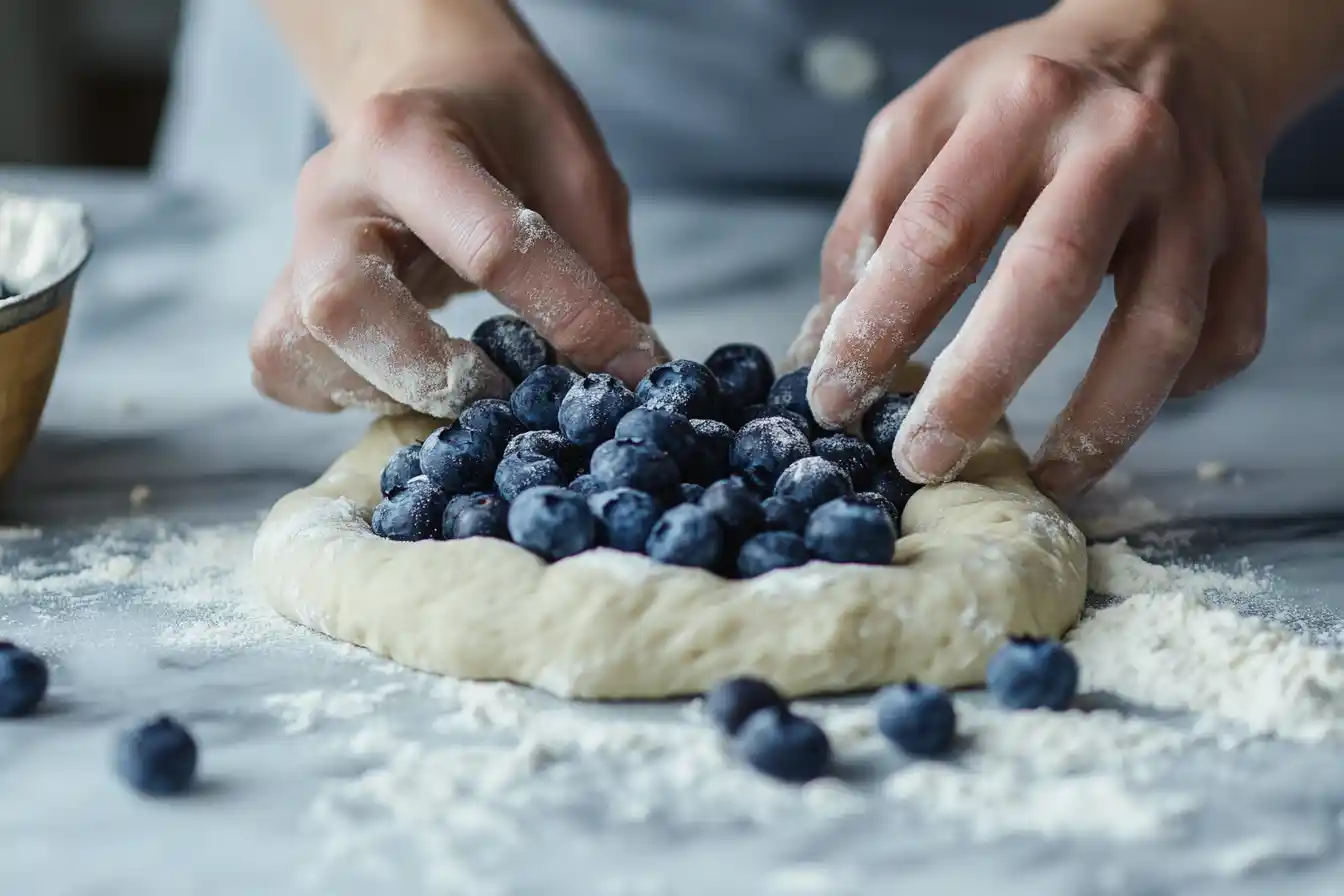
{"x": 1026, "y": 673}
{"x": 719, "y": 466}
{"x": 156, "y": 758}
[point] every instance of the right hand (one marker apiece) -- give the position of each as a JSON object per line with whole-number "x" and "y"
{"x": 482, "y": 172}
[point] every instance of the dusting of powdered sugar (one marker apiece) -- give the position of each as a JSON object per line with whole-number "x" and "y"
{"x": 531, "y": 226}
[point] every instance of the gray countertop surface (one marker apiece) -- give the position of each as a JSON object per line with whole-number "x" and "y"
{"x": 327, "y": 770}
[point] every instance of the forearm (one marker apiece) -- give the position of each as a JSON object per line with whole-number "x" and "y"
{"x": 351, "y": 50}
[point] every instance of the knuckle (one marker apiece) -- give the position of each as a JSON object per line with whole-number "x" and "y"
{"x": 1243, "y": 347}
{"x": 330, "y": 308}
{"x": 1170, "y": 331}
{"x": 1042, "y": 82}
{"x": 934, "y": 227}
{"x": 1061, "y": 263}
{"x": 490, "y": 250}
{"x": 1145, "y": 124}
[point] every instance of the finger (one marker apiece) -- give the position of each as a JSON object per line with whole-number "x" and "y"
{"x": 1049, "y": 272}
{"x": 933, "y": 248}
{"x": 423, "y": 177}
{"x": 1235, "y": 322}
{"x": 901, "y": 142}
{"x": 292, "y": 367}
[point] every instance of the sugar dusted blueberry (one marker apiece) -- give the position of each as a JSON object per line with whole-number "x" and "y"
{"x": 494, "y": 419}
{"x": 796, "y": 420}
{"x": 519, "y": 472}
{"x": 484, "y": 516}
{"x": 536, "y": 401}
{"x": 769, "y": 551}
{"x": 763, "y": 449}
{"x": 785, "y": 515}
{"x": 587, "y": 485}
{"x": 514, "y": 345}
{"x": 883, "y": 420}
{"x": 625, "y": 518}
{"x": 850, "y": 453}
{"x": 158, "y": 758}
{"x": 714, "y": 441}
{"x": 812, "y": 481}
{"x": 543, "y": 443}
{"x": 402, "y": 467}
{"x": 413, "y": 514}
{"x": 847, "y": 531}
{"x": 553, "y": 523}
{"x": 890, "y": 484}
{"x": 458, "y": 460}
{"x": 744, "y": 372}
{"x": 918, "y": 718}
{"x": 593, "y": 407}
{"x": 876, "y": 500}
{"x": 782, "y": 745}
{"x": 789, "y": 393}
{"x": 625, "y": 464}
{"x": 732, "y": 701}
{"x": 736, "y": 507}
{"x": 667, "y": 431}
{"x": 1033, "y": 673}
{"x": 687, "y": 535}
{"x": 23, "y": 680}
{"x": 687, "y": 388}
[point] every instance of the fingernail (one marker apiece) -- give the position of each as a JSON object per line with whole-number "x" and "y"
{"x": 930, "y": 454}
{"x": 631, "y": 365}
{"x": 831, "y": 397}
{"x": 1061, "y": 480}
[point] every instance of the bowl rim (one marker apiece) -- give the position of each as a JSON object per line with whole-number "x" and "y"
{"x": 24, "y": 308}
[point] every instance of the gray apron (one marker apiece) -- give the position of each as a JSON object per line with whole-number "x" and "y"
{"x": 731, "y": 95}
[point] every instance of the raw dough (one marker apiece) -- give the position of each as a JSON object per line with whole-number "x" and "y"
{"x": 980, "y": 559}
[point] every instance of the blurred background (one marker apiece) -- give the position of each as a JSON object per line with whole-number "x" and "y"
{"x": 82, "y": 82}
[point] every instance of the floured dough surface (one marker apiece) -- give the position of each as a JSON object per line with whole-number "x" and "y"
{"x": 979, "y": 559}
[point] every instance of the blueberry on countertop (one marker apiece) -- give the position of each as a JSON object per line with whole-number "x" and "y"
{"x": 667, "y": 431}
{"x": 625, "y": 464}
{"x": 769, "y": 551}
{"x": 553, "y": 523}
{"x": 593, "y": 407}
{"x": 413, "y": 514}
{"x": 458, "y": 460}
{"x": 736, "y": 507}
{"x": 785, "y": 515}
{"x": 158, "y": 758}
{"x": 402, "y": 467}
{"x": 812, "y": 481}
{"x": 883, "y": 420}
{"x": 848, "y": 531}
{"x": 536, "y": 401}
{"x": 782, "y": 745}
{"x": 485, "y": 516}
{"x": 587, "y": 485}
{"x": 519, "y": 472}
{"x": 918, "y": 718}
{"x": 23, "y": 680}
{"x": 494, "y": 419}
{"x": 714, "y": 441}
{"x": 687, "y": 388}
{"x": 514, "y": 345}
{"x": 732, "y": 701}
{"x": 850, "y": 453}
{"x": 687, "y": 535}
{"x": 1033, "y": 673}
{"x": 789, "y": 393}
{"x": 763, "y": 449}
{"x": 744, "y": 372}
{"x": 625, "y": 518}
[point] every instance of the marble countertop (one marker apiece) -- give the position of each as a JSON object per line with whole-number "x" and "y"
{"x": 326, "y": 770}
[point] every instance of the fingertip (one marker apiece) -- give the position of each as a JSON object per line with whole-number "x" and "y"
{"x": 929, "y": 453}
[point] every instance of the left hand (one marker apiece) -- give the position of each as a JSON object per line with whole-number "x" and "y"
{"x": 1117, "y": 143}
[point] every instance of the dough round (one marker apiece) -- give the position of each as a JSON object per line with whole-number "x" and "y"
{"x": 980, "y": 559}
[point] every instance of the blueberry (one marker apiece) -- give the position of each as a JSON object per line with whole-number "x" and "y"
{"x": 625, "y": 518}
{"x": 687, "y": 535}
{"x": 770, "y": 551}
{"x": 736, "y": 508}
{"x": 624, "y": 464}
{"x": 918, "y": 718}
{"x": 514, "y": 346}
{"x": 519, "y": 472}
{"x": 785, "y": 515}
{"x": 458, "y": 460}
{"x": 536, "y": 401}
{"x": 732, "y": 701}
{"x": 548, "y": 444}
{"x": 898, "y": 490}
{"x": 691, "y": 493}
{"x": 458, "y": 503}
{"x": 847, "y": 531}
{"x": 812, "y": 481}
{"x": 413, "y": 514}
{"x": 592, "y": 408}
{"x": 761, "y": 411}
{"x": 587, "y": 485}
{"x": 685, "y": 387}
{"x": 1033, "y": 673}
{"x": 744, "y": 372}
{"x": 552, "y": 522}
{"x": 714, "y": 441}
{"x": 791, "y": 748}
{"x": 763, "y": 449}
{"x": 873, "y": 499}
{"x": 667, "y": 431}
{"x": 851, "y": 454}
{"x": 486, "y": 516}
{"x": 402, "y": 467}
{"x": 158, "y": 758}
{"x": 23, "y": 680}
{"x": 493, "y": 419}
{"x": 883, "y": 420}
{"x": 789, "y": 393}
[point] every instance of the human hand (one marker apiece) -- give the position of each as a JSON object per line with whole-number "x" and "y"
{"x": 482, "y": 171}
{"x": 1118, "y": 140}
